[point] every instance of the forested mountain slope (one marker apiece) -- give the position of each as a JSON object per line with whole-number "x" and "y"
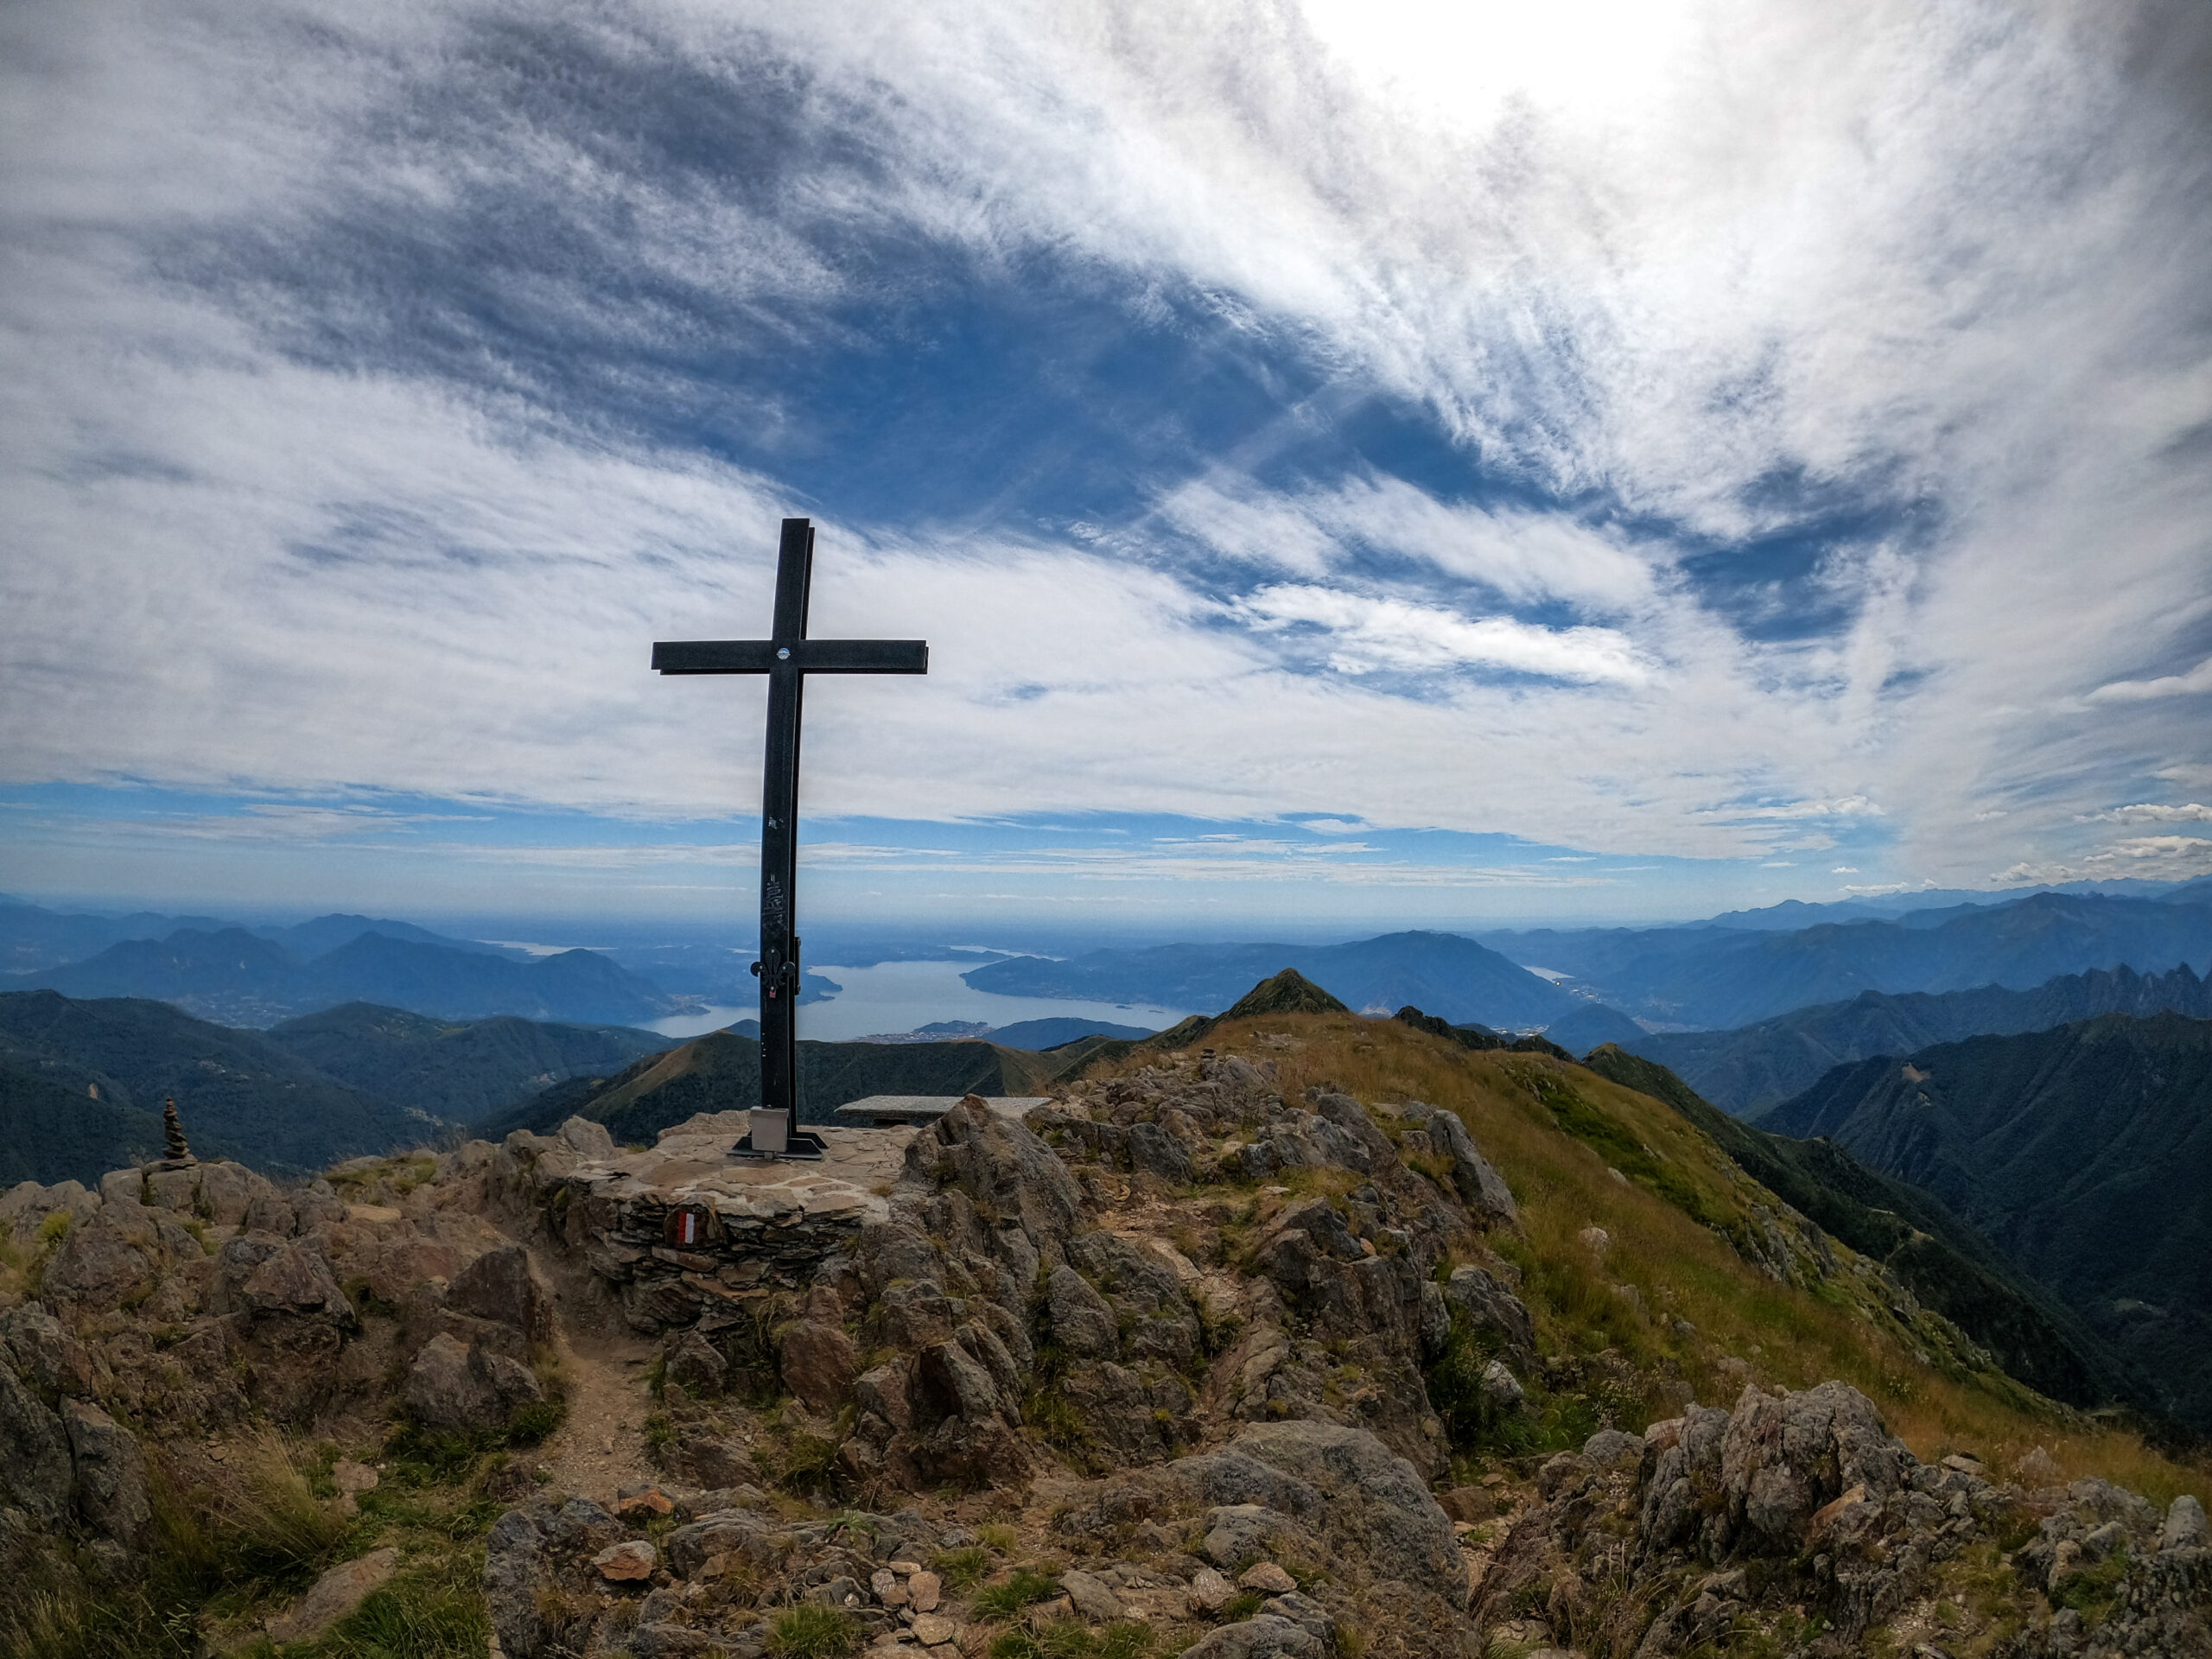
{"x": 2084, "y": 1154}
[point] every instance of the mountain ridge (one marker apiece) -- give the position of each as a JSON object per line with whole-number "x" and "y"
{"x": 1754, "y": 1068}
{"x": 2083, "y": 1153}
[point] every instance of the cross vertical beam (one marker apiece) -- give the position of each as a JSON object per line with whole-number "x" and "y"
{"x": 787, "y": 657}
{"x": 779, "y": 941}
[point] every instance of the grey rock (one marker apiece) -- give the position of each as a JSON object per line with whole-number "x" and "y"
{"x": 1609, "y": 1447}
{"x": 97, "y": 1267}
{"x": 588, "y": 1139}
{"x": 692, "y": 1362}
{"x": 501, "y": 1286}
{"x": 110, "y": 1474}
{"x": 1501, "y": 1387}
{"x": 1001, "y": 1166}
{"x": 741, "y": 1531}
{"x": 1240, "y": 1534}
{"x": 295, "y": 1280}
{"x": 2184, "y": 1527}
{"x": 1268, "y": 1636}
{"x": 1153, "y": 1151}
{"x": 1361, "y": 1495}
{"x": 35, "y": 1464}
{"x": 1304, "y": 1611}
{"x": 1482, "y": 1189}
{"x": 462, "y": 1390}
{"x": 818, "y": 1362}
{"x": 49, "y": 1358}
{"x": 523, "y": 1562}
{"x": 1093, "y": 1597}
{"x": 1082, "y": 1320}
{"x": 1487, "y": 1306}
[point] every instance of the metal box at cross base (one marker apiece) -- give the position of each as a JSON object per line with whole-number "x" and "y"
{"x": 769, "y": 1127}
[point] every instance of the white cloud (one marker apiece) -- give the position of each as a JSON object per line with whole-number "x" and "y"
{"x": 2196, "y": 680}
{"x": 1366, "y": 635}
{"x": 2150, "y": 813}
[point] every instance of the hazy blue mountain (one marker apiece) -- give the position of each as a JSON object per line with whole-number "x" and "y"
{"x": 232, "y": 975}
{"x": 573, "y": 985}
{"x": 307, "y": 940}
{"x": 32, "y": 938}
{"x": 1944, "y": 1263}
{"x": 240, "y": 1096}
{"x": 462, "y": 1070}
{"x": 1750, "y": 1070}
{"x": 240, "y": 978}
{"x": 1052, "y": 1033}
{"x": 1712, "y": 977}
{"x": 2083, "y": 1153}
{"x": 1444, "y": 973}
{"x": 1590, "y": 1023}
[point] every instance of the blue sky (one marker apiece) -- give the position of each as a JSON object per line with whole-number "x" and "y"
{"x": 1353, "y": 463}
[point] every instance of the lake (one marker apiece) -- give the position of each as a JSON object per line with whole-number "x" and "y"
{"x": 893, "y": 997}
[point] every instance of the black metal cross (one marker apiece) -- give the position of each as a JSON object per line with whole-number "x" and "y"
{"x": 786, "y": 659}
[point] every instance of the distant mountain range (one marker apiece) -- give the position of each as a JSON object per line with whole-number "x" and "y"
{"x": 1752, "y": 1070}
{"x": 2083, "y": 1153}
{"x": 258, "y": 978}
{"x": 1450, "y": 976}
{"x": 81, "y": 1087}
{"x": 82, "y": 1083}
{"x": 1715, "y": 977}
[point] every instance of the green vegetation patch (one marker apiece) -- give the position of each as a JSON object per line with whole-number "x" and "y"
{"x": 1010, "y": 1595}
{"x": 813, "y": 1631}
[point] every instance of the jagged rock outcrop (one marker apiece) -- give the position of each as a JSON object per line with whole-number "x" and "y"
{"x": 1718, "y": 1524}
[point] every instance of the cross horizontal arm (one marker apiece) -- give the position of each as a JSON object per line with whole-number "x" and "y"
{"x": 808, "y": 656}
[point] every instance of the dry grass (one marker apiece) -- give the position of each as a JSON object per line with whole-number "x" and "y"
{"x": 1681, "y": 1268}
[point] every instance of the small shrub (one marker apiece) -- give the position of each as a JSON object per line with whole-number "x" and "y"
{"x": 1125, "y": 1641}
{"x": 1000, "y": 1537}
{"x": 812, "y": 1632}
{"x": 1244, "y": 1605}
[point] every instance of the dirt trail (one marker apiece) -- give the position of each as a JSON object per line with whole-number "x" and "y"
{"x": 601, "y": 1445}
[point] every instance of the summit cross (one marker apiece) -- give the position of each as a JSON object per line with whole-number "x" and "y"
{"x": 786, "y": 659}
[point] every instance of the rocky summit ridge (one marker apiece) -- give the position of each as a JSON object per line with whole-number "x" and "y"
{"x": 1338, "y": 1339}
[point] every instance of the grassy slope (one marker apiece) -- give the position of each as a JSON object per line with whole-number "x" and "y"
{"x": 1682, "y": 1268}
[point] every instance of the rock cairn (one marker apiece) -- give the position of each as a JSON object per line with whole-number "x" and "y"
{"x": 175, "y": 1154}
